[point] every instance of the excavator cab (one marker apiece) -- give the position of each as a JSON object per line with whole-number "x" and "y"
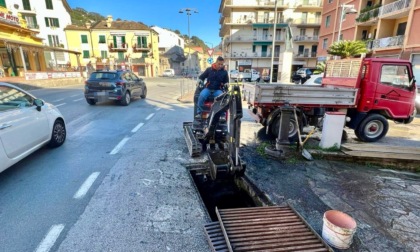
{"x": 217, "y": 133}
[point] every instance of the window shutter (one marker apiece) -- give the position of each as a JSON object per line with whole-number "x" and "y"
{"x": 123, "y": 39}
{"x": 26, "y": 5}
{"x": 138, "y": 42}
{"x": 47, "y": 23}
{"x": 3, "y": 3}
{"x": 84, "y": 39}
{"x": 115, "y": 41}
{"x": 50, "y": 41}
{"x": 56, "y": 23}
{"x": 144, "y": 41}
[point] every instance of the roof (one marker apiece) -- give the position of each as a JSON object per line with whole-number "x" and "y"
{"x": 121, "y": 25}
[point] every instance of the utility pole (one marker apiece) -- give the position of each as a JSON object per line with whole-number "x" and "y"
{"x": 189, "y": 12}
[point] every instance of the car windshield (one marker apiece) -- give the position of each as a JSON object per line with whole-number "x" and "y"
{"x": 318, "y": 80}
{"x": 103, "y": 76}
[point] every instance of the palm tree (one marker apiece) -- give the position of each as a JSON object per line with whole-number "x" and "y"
{"x": 347, "y": 48}
{"x": 320, "y": 67}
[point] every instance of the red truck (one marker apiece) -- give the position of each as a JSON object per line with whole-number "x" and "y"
{"x": 370, "y": 91}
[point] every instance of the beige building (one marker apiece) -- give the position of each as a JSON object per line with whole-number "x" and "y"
{"x": 247, "y": 31}
{"x": 387, "y": 26}
{"x": 116, "y": 45}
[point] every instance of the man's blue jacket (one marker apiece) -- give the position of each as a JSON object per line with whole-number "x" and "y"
{"x": 215, "y": 78}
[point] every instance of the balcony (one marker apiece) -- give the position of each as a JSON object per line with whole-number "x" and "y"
{"x": 251, "y": 5}
{"x": 305, "y": 55}
{"x": 238, "y": 55}
{"x": 32, "y": 26}
{"x": 393, "y": 10}
{"x": 308, "y": 5}
{"x": 385, "y": 43}
{"x": 307, "y": 22}
{"x": 141, "y": 48}
{"x": 118, "y": 47}
{"x": 304, "y": 38}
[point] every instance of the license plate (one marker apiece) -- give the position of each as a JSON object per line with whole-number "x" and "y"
{"x": 103, "y": 93}
{"x": 104, "y": 84}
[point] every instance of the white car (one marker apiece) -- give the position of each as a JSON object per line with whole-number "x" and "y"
{"x": 315, "y": 80}
{"x": 26, "y": 124}
{"x": 169, "y": 73}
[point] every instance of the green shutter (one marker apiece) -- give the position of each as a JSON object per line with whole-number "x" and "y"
{"x": 3, "y": 3}
{"x": 47, "y": 23}
{"x": 120, "y": 55}
{"x": 50, "y": 41}
{"x": 84, "y": 39}
{"x": 102, "y": 39}
{"x": 104, "y": 54}
{"x": 144, "y": 55}
{"x": 55, "y": 22}
{"x": 144, "y": 42}
{"x": 115, "y": 42}
{"x": 123, "y": 39}
{"x": 85, "y": 54}
{"x": 138, "y": 42}
{"x": 49, "y": 4}
{"x": 26, "y": 5}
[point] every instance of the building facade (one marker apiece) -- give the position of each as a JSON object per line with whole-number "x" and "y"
{"x": 249, "y": 28}
{"x": 116, "y": 45}
{"x": 387, "y": 26}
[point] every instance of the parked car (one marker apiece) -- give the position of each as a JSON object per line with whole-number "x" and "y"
{"x": 418, "y": 100}
{"x": 117, "y": 85}
{"x": 301, "y": 75}
{"x": 26, "y": 125}
{"x": 233, "y": 74}
{"x": 168, "y": 73}
{"x": 314, "y": 80}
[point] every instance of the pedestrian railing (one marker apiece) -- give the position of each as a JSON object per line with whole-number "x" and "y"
{"x": 187, "y": 86}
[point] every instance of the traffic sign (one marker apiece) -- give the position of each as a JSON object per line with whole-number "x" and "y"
{"x": 210, "y": 52}
{"x": 210, "y": 60}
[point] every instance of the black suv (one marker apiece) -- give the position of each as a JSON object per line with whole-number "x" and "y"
{"x": 116, "y": 85}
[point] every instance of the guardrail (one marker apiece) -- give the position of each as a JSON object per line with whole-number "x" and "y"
{"x": 187, "y": 86}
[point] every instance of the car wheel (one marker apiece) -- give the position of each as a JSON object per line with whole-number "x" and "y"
{"x": 91, "y": 101}
{"x": 372, "y": 128}
{"x": 58, "y": 135}
{"x": 126, "y": 99}
{"x": 293, "y": 130}
{"x": 144, "y": 93}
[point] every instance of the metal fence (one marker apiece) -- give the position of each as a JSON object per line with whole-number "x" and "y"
{"x": 187, "y": 86}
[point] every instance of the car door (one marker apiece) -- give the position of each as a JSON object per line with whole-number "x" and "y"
{"x": 22, "y": 126}
{"x": 137, "y": 84}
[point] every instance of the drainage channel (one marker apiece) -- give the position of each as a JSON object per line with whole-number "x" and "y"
{"x": 244, "y": 219}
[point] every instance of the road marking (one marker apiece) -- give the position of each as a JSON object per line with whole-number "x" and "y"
{"x": 158, "y": 109}
{"x": 86, "y": 185}
{"x": 61, "y": 104}
{"x": 74, "y": 95}
{"x": 50, "y": 238}
{"x": 79, "y": 99}
{"x": 137, "y": 127}
{"x": 119, "y": 146}
{"x": 150, "y": 116}
{"x": 58, "y": 100}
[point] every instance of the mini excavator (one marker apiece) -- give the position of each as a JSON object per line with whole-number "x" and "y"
{"x": 217, "y": 134}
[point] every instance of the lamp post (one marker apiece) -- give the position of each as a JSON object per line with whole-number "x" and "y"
{"x": 189, "y": 12}
{"x": 345, "y": 9}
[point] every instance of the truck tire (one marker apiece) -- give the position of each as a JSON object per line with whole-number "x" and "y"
{"x": 372, "y": 128}
{"x": 293, "y": 133}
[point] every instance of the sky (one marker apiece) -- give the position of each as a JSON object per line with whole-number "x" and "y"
{"x": 163, "y": 13}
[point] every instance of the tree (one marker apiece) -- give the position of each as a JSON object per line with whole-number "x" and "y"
{"x": 347, "y": 48}
{"x": 320, "y": 67}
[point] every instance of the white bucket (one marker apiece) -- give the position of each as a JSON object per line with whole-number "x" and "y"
{"x": 338, "y": 229}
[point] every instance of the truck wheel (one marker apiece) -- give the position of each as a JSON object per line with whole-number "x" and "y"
{"x": 372, "y": 128}
{"x": 293, "y": 133}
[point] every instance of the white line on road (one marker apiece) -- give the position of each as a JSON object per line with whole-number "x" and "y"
{"x": 137, "y": 127}
{"x": 79, "y": 99}
{"x": 50, "y": 238}
{"x": 86, "y": 185}
{"x": 119, "y": 146}
{"x": 58, "y": 100}
{"x": 74, "y": 95}
{"x": 61, "y": 104}
{"x": 150, "y": 116}
{"x": 158, "y": 109}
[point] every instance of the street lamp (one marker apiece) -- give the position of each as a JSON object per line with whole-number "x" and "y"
{"x": 345, "y": 9}
{"x": 189, "y": 12}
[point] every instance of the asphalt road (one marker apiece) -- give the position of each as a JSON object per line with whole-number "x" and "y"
{"x": 42, "y": 196}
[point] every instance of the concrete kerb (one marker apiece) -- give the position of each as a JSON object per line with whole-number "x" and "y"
{"x": 36, "y": 84}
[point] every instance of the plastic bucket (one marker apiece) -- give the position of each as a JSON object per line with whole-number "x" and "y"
{"x": 338, "y": 229}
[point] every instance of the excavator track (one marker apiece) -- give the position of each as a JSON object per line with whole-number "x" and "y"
{"x": 194, "y": 146}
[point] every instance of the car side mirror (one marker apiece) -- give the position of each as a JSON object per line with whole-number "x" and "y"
{"x": 38, "y": 103}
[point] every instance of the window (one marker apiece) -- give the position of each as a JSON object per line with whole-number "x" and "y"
{"x": 327, "y": 21}
{"x": 401, "y": 28}
{"x": 364, "y": 34}
{"x": 325, "y": 43}
{"x": 49, "y": 4}
{"x": 119, "y": 42}
{"x": 120, "y": 55}
{"x": 84, "y": 39}
{"x": 395, "y": 76}
{"x": 330, "y": 1}
{"x": 253, "y": 48}
{"x": 51, "y": 22}
{"x": 3, "y": 3}
{"x": 11, "y": 98}
{"x": 86, "y": 54}
{"x": 104, "y": 54}
{"x": 141, "y": 42}
{"x": 31, "y": 21}
{"x": 26, "y": 5}
{"x": 53, "y": 40}
{"x": 144, "y": 54}
{"x": 102, "y": 39}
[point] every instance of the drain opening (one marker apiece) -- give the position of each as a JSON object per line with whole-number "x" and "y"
{"x": 221, "y": 193}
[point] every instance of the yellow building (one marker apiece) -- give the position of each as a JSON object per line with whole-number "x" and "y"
{"x": 116, "y": 45}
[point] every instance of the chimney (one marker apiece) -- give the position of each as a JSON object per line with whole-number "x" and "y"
{"x": 88, "y": 25}
{"x": 109, "y": 21}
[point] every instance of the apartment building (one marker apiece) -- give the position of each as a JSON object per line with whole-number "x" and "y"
{"x": 387, "y": 26}
{"x": 116, "y": 45}
{"x": 247, "y": 32}
{"x": 48, "y": 18}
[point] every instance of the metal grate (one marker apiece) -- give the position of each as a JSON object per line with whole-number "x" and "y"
{"x": 262, "y": 229}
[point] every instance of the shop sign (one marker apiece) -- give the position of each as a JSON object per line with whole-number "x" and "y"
{"x": 9, "y": 18}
